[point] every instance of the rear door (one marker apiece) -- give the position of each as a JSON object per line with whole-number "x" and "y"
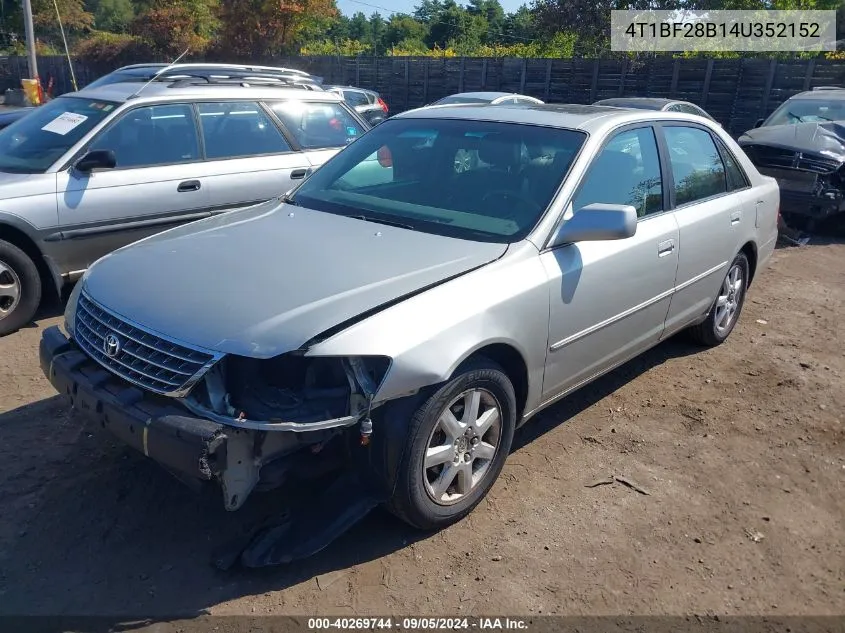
{"x": 158, "y": 183}
{"x": 319, "y": 128}
{"x": 248, "y": 158}
{"x": 713, "y": 212}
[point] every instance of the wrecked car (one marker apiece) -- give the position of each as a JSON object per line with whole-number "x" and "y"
{"x": 802, "y": 146}
{"x": 392, "y": 321}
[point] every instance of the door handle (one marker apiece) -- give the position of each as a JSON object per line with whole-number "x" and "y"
{"x": 665, "y": 247}
{"x": 736, "y": 216}
{"x": 189, "y": 185}
{"x": 299, "y": 174}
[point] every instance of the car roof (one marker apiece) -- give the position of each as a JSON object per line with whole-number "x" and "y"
{"x": 648, "y": 103}
{"x": 824, "y": 92}
{"x": 339, "y": 87}
{"x": 169, "y": 91}
{"x": 484, "y": 95}
{"x": 570, "y": 116}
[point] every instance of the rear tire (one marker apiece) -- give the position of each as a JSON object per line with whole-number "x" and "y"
{"x": 20, "y": 288}
{"x": 726, "y": 308}
{"x": 458, "y": 441}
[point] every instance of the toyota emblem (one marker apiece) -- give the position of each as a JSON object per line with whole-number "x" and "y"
{"x": 111, "y": 345}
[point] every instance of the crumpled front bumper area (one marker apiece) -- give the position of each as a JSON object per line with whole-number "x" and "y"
{"x": 199, "y": 449}
{"x": 187, "y": 445}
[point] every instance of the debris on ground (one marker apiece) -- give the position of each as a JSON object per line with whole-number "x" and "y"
{"x": 326, "y": 580}
{"x": 625, "y": 481}
{"x": 762, "y": 322}
{"x": 754, "y": 536}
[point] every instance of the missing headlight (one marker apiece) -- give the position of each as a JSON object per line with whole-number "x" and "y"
{"x": 292, "y": 387}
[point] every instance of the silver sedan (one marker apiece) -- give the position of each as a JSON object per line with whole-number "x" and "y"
{"x": 410, "y": 314}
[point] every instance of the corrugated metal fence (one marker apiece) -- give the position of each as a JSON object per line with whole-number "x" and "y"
{"x": 736, "y": 92}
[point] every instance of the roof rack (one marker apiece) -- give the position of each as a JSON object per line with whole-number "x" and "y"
{"x": 183, "y": 80}
{"x": 828, "y": 88}
{"x": 216, "y": 67}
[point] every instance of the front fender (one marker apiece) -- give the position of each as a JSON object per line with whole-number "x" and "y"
{"x": 429, "y": 335}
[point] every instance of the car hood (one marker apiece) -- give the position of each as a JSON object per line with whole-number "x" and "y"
{"x": 266, "y": 280}
{"x": 825, "y": 139}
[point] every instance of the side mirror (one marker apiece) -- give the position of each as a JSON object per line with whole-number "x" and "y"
{"x": 96, "y": 159}
{"x": 597, "y": 222}
{"x": 759, "y": 122}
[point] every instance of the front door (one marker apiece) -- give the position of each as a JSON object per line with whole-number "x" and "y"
{"x": 609, "y": 299}
{"x": 157, "y": 183}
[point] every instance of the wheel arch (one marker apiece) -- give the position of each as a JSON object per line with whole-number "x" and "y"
{"x": 51, "y": 281}
{"x": 750, "y": 251}
{"x": 512, "y": 362}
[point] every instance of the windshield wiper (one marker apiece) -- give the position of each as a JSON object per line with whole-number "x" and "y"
{"x": 289, "y": 199}
{"x": 795, "y": 116}
{"x": 369, "y": 218}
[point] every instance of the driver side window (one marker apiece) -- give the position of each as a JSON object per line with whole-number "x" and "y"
{"x": 152, "y": 135}
{"x": 626, "y": 171}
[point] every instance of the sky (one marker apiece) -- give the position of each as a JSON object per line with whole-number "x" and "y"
{"x": 386, "y": 7}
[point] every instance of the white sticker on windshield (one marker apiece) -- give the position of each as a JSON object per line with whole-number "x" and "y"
{"x": 64, "y": 123}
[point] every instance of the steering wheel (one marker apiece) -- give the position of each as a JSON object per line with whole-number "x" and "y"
{"x": 506, "y": 193}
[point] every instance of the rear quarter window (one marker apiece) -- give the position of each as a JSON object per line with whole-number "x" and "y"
{"x": 317, "y": 125}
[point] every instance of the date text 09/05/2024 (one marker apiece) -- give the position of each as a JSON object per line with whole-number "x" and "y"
{"x": 720, "y": 29}
{"x": 418, "y": 624}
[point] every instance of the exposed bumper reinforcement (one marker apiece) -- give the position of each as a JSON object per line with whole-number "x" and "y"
{"x": 187, "y": 445}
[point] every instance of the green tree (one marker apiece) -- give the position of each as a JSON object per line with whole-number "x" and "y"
{"x": 493, "y": 14}
{"x": 359, "y": 27}
{"x": 113, "y": 16}
{"x": 404, "y": 28}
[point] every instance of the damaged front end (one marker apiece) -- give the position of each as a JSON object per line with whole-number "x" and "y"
{"x": 287, "y": 415}
{"x": 245, "y": 423}
{"x": 812, "y": 185}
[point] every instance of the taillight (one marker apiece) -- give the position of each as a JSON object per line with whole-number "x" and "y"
{"x": 382, "y": 104}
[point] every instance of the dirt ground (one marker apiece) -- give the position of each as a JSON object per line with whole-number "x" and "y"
{"x": 741, "y": 449}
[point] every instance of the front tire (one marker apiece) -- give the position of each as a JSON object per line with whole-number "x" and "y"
{"x": 726, "y": 307}
{"x": 458, "y": 441}
{"x": 20, "y": 288}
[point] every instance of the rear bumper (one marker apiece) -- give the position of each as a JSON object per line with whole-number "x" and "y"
{"x": 187, "y": 445}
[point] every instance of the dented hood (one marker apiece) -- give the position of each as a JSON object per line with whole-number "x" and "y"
{"x": 824, "y": 139}
{"x": 266, "y": 280}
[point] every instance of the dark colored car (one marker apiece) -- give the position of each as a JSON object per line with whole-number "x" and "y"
{"x": 802, "y": 145}
{"x": 10, "y": 115}
{"x": 367, "y": 103}
{"x": 654, "y": 103}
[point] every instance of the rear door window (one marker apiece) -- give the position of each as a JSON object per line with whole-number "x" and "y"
{"x": 236, "y": 129}
{"x": 317, "y": 125}
{"x": 697, "y": 167}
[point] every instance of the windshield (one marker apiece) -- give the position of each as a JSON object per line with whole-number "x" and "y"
{"x": 808, "y": 110}
{"x": 478, "y": 180}
{"x": 36, "y": 141}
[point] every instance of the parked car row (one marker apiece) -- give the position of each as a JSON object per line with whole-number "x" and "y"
{"x": 332, "y": 296}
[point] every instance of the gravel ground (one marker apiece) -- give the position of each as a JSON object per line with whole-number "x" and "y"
{"x": 740, "y": 447}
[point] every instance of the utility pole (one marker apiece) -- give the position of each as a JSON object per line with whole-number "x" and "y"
{"x": 30, "y": 39}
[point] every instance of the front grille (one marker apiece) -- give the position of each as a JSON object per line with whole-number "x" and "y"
{"x": 139, "y": 356}
{"x": 818, "y": 164}
{"x": 764, "y": 156}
